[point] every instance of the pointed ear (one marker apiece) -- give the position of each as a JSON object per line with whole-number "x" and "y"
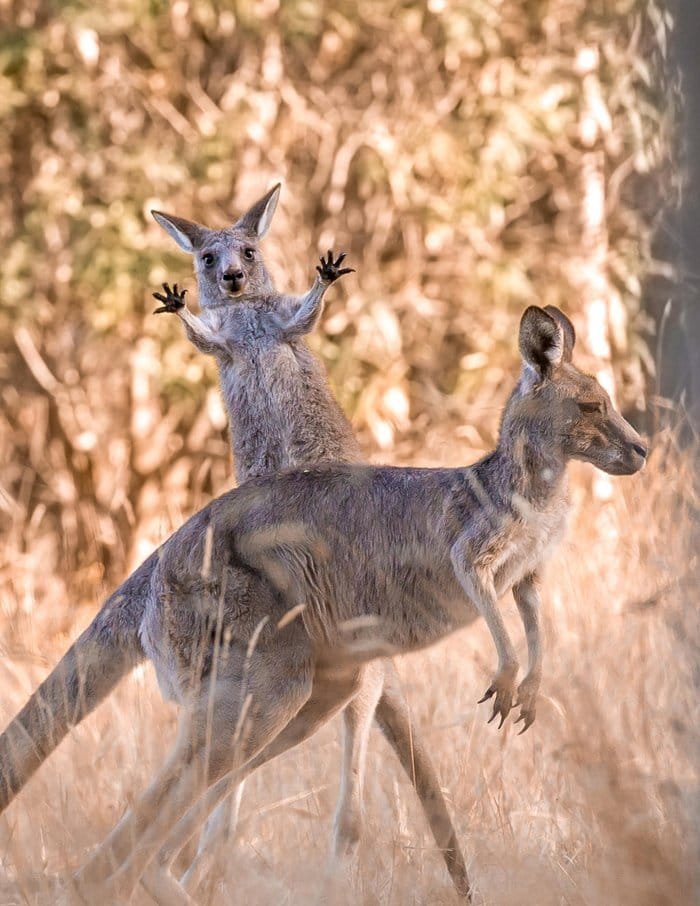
{"x": 188, "y": 235}
{"x": 567, "y": 328}
{"x": 256, "y": 221}
{"x": 541, "y": 340}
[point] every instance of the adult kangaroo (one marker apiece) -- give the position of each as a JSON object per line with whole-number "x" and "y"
{"x": 344, "y": 561}
{"x": 282, "y": 413}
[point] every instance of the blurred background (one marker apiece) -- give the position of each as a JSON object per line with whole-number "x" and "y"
{"x": 472, "y": 157}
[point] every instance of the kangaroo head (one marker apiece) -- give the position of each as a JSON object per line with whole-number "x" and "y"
{"x": 567, "y": 409}
{"x": 227, "y": 263}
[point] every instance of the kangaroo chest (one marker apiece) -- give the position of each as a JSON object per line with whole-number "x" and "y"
{"x": 526, "y": 539}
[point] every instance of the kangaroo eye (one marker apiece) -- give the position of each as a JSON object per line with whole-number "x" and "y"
{"x": 208, "y": 259}
{"x": 591, "y": 408}
{"x": 249, "y": 254}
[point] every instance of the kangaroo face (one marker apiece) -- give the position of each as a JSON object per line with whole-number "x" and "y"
{"x": 227, "y": 263}
{"x": 229, "y": 266}
{"x": 567, "y": 407}
{"x": 591, "y": 429}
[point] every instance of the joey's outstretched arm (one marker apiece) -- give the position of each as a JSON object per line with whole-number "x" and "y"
{"x": 527, "y": 597}
{"x": 198, "y": 333}
{"x": 301, "y": 313}
{"x": 477, "y": 582}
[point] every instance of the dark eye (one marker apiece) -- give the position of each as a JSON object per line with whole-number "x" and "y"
{"x": 208, "y": 259}
{"x": 249, "y": 254}
{"x": 591, "y": 408}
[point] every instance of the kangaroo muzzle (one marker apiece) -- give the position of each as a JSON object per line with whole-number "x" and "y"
{"x": 634, "y": 456}
{"x": 233, "y": 280}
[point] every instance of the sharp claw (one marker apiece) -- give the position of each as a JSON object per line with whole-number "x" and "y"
{"x": 503, "y": 719}
{"x": 158, "y": 296}
{"x": 490, "y": 692}
{"x": 175, "y": 289}
{"x": 340, "y": 259}
{"x": 521, "y": 717}
{"x": 157, "y": 311}
{"x": 494, "y": 715}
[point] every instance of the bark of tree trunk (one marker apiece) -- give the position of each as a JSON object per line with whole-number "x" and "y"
{"x": 680, "y": 360}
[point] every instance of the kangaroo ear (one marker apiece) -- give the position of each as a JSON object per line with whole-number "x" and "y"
{"x": 188, "y": 235}
{"x": 567, "y": 328}
{"x": 541, "y": 340}
{"x": 256, "y": 221}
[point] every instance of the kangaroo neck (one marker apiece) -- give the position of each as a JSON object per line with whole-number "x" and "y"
{"x": 533, "y": 466}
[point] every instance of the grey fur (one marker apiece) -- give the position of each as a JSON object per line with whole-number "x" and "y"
{"x": 282, "y": 414}
{"x": 366, "y": 557}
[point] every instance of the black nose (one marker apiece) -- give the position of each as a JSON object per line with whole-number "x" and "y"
{"x": 233, "y": 276}
{"x": 640, "y": 450}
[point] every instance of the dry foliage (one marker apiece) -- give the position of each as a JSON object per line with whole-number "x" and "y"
{"x": 473, "y": 157}
{"x": 596, "y": 804}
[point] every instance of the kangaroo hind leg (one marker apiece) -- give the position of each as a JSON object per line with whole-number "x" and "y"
{"x": 254, "y": 697}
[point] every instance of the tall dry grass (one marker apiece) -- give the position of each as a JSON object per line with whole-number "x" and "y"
{"x": 474, "y": 157}
{"x": 596, "y": 804}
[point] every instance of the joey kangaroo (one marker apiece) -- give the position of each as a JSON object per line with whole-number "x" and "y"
{"x": 397, "y": 557}
{"x": 282, "y": 413}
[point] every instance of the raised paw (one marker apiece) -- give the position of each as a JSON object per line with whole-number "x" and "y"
{"x": 329, "y": 270}
{"x": 172, "y": 300}
{"x": 527, "y": 701}
{"x": 503, "y": 688}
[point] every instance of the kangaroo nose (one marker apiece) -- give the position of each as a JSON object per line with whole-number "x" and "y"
{"x": 233, "y": 276}
{"x": 640, "y": 450}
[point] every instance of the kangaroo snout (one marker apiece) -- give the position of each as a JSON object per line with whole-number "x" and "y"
{"x": 233, "y": 279}
{"x": 636, "y": 453}
{"x": 630, "y": 451}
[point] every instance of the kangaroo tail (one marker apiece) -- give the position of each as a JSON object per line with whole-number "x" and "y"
{"x": 108, "y": 649}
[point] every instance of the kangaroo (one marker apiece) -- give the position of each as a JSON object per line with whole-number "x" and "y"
{"x": 282, "y": 413}
{"x": 386, "y": 556}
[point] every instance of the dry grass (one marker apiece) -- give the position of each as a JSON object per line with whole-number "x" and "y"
{"x": 596, "y": 804}
{"x": 463, "y": 195}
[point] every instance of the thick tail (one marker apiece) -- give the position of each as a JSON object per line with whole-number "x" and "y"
{"x": 394, "y": 720}
{"x": 91, "y": 668}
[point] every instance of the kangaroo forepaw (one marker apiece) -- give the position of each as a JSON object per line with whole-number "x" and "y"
{"x": 329, "y": 270}
{"x": 172, "y": 300}
{"x": 503, "y": 688}
{"x": 527, "y": 701}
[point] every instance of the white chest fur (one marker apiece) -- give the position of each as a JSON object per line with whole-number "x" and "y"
{"x": 527, "y": 541}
